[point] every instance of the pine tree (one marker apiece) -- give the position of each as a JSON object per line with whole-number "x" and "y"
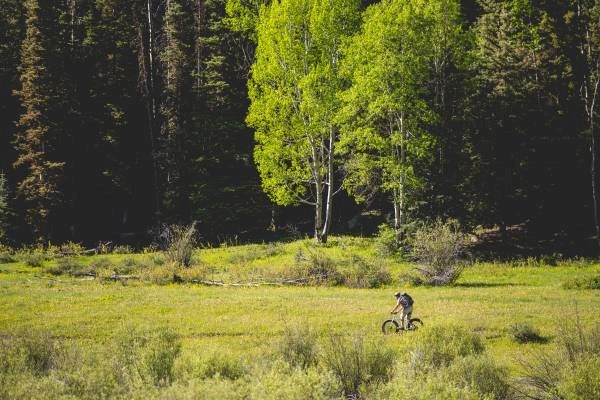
{"x": 176, "y": 58}
{"x": 38, "y": 133}
{"x": 4, "y": 210}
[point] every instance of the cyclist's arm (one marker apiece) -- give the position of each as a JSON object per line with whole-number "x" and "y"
{"x": 396, "y": 308}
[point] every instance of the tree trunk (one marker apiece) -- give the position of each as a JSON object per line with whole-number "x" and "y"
{"x": 594, "y": 176}
{"x": 151, "y": 106}
{"x": 316, "y": 164}
{"x": 330, "y": 183}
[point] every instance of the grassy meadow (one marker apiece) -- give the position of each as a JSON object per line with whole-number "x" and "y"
{"x": 245, "y": 329}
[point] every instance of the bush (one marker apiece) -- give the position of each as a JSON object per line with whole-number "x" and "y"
{"x": 67, "y": 266}
{"x": 387, "y": 241}
{"x": 481, "y": 374}
{"x": 437, "y": 347}
{"x": 33, "y": 256}
{"x": 439, "y": 249}
{"x": 363, "y": 273}
{"x": 71, "y": 249}
{"x": 317, "y": 268}
{"x": 298, "y": 346}
{"x": 223, "y": 366}
{"x": 147, "y": 355}
{"x": 524, "y": 333}
{"x": 122, "y": 249}
{"x": 39, "y": 351}
{"x": 571, "y": 367}
{"x": 583, "y": 283}
{"x": 180, "y": 242}
{"x": 582, "y": 381}
{"x": 7, "y": 255}
{"x": 355, "y": 363}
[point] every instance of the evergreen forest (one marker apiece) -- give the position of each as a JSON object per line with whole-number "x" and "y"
{"x": 257, "y": 119}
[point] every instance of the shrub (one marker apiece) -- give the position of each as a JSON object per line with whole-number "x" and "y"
{"x": 355, "y": 363}
{"x": 39, "y": 352}
{"x": 7, "y": 255}
{"x": 101, "y": 263}
{"x": 438, "y": 346}
{"x": 363, "y": 273}
{"x": 583, "y": 283}
{"x": 481, "y": 374}
{"x": 67, "y": 266}
{"x": 298, "y": 346}
{"x": 317, "y": 268}
{"x": 180, "y": 242}
{"x": 33, "y": 257}
{"x": 573, "y": 361}
{"x": 282, "y": 382}
{"x": 70, "y": 249}
{"x": 147, "y": 355}
{"x": 582, "y": 381}
{"x": 387, "y": 241}
{"x": 524, "y": 333}
{"x": 439, "y": 248}
{"x": 222, "y": 366}
{"x": 122, "y": 249}
{"x": 162, "y": 349}
{"x": 162, "y": 275}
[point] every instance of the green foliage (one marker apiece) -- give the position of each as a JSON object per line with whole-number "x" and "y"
{"x": 570, "y": 369}
{"x": 583, "y": 283}
{"x": 356, "y": 363}
{"x": 388, "y": 242}
{"x": 7, "y": 255}
{"x": 439, "y": 249}
{"x": 359, "y": 272}
{"x": 525, "y": 333}
{"x": 223, "y": 366}
{"x": 317, "y": 268}
{"x": 67, "y": 266}
{"x": 149, "y": 354}
{"x": 481, "y": 374}
{"x": 386, "y": 114}
{"x": 583, "y": 380}
{"x": 33, "y": 256}
{"x": 439, "y": 346}
{"x": 298, "y": 346}
{"x": 36, "y": 140}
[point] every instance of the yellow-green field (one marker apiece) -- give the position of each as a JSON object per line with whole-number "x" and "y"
{"x": 245, "y": 322}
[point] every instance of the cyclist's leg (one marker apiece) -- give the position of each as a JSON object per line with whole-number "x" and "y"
{"x": 408, "y": 313}
{"x": 402, "y": 318}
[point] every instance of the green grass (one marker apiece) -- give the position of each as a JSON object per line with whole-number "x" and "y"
{"x": 244, "y": 322}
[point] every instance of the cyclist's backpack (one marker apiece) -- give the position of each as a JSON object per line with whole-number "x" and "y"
{"x": 407, "y": 300}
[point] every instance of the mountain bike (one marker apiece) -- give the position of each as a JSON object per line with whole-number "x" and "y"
{"x": 394, "y": 325}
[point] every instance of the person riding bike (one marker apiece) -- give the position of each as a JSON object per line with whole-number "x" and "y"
{"x": 404, "y": 301}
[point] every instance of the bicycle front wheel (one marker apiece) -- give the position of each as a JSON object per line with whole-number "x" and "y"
{"x": 390, "y": 326}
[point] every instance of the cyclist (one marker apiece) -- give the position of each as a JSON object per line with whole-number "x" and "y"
{"x": 404, "y": 301}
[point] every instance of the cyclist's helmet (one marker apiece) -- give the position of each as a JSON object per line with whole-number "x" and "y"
{"x": 398, "y": 294}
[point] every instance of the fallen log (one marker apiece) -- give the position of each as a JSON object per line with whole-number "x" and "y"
{"x": 116, "y": 277}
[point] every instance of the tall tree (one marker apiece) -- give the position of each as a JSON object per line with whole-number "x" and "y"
{"x": 176, "y": 57}
{"x": 39, "y": 132}
{"x": 586, "y": 16}
{"x": 293, "y": 87}
{"x": 387, "y": 114}
{"x": 4, "y": 210}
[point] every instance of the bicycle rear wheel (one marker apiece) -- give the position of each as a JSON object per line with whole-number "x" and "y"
{"x": 415, "y": 323}
{"x": 390, "y": 326}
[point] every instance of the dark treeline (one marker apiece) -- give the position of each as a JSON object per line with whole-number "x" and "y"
{"x": 119, "y": 116}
